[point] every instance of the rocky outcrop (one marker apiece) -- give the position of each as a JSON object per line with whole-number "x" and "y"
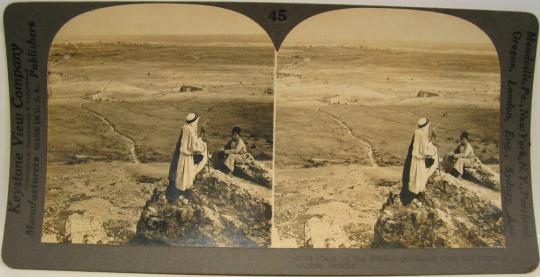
{"x": 478, "y": 173}
{"x": 181, "y": 223}
{"x": 223, "y": 211}
{"x": 249, "y": 169}
{"x": 246, "y": 199}
{"x": 254, "y": 171}
{"x": 482, "y": 174}
{"x": 451, "y": 216}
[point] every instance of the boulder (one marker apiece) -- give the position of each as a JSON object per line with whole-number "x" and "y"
{"x": 249, "y": 169}
{"x": 478, "y": 173}
{"x": 483, "y": 175}
{"x": 325, "y": 232}
{"x": 451, "y": 217}
{"x": 85, "y": 228}
{"x": 249, "y": 201}
{"x": 181, "y": 223}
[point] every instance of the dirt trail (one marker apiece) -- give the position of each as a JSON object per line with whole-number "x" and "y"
{"x": 131, "y": 144}
{"x": 368, "y": 145}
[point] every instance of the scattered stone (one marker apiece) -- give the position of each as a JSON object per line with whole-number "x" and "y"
{"x": 119, "y": 231}
{"x": 387, "y": 183}
{"x": 147, "y": 179}
{"x": 146, "y": 190}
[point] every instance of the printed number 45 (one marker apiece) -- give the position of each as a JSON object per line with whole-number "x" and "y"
{"x": 278, "y": 15}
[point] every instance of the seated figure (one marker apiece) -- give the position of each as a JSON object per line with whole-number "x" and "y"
{"x": 234, "y": 159}
{"x": 463, "y": 163}
{"x": 235, "y": 151}
{"x": 462, "y": 157}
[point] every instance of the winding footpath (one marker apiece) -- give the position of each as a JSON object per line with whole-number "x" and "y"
{"x": 130, "y": 143}
{"x": 371, "y": 156}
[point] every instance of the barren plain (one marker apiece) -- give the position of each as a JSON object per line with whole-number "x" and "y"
{"x": 116, "y": 109}
{"x": 345, "y": 117}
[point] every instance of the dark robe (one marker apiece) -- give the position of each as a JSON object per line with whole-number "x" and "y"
{"x": 172, "y": 191}
{"x": 406, "y": 196}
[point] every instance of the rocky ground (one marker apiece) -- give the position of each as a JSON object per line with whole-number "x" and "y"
{"x": 114, "y": 122}
{"x": 118, "y": 203}
{"x": 344, "y": 120}
{"x": 452, "y": 216}
{"x": 102, "y": 194}
{"x": 332, "y": 206}
{"x": 332, "y": 212}
{"x": 223, "y": 211}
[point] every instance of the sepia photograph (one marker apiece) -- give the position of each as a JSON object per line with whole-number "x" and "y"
{"x": 160, "y": 128}
{"x": 162, "y": 124}
{"x": 269, "y": 138}
{"x": 387, "y": 133}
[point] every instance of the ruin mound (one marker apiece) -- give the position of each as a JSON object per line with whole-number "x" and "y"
{"x": 423, "y": 93}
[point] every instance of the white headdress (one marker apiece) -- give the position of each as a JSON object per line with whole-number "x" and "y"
{"x": 192, "y": 117}
{"x": 423, "y": 122}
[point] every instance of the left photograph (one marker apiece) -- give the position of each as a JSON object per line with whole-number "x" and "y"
{"x": 160, "y": 128}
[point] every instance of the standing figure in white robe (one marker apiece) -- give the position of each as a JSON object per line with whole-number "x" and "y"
{"x": 422, "y": 149}
{"x": 190, "y": 145}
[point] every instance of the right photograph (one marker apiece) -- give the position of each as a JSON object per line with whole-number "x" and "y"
{"x": 387, "y": 133}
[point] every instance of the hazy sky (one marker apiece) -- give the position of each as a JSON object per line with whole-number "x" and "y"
{"x": 364, "y": 24}
{"x": 158, "y": 19}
